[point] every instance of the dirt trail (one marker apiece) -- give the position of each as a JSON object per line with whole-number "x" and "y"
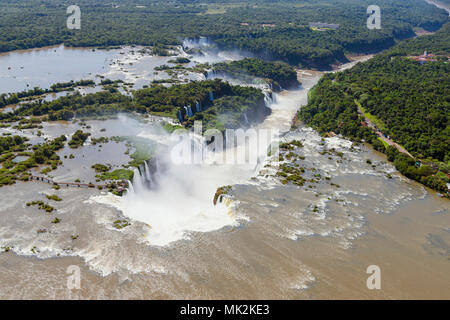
{"x": 382, "y": 137}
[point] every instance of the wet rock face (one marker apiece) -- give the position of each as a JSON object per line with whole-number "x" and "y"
{"x": 257, "y": 113}
{"x": 220, "y": 192}
{"x": 278, "y": 86}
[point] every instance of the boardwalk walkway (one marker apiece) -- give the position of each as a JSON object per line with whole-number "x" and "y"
{"x": 67, "y": 184}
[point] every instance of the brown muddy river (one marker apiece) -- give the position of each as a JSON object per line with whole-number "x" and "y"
{"x": 271, "y": 241}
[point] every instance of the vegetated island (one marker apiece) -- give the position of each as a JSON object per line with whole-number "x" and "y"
{"x": 217, "y": 103}
{"x": 278, "y": 75}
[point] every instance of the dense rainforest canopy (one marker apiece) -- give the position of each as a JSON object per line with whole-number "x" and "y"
{"x": 273, "y": 29}
{"x": 220, "y": 104}
{"x": 409, "y": 100}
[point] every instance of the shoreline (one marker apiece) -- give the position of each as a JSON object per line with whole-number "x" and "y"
{"x": 440, "y": 5}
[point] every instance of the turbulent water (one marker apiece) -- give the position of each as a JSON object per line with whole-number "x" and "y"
{"x": 266, "y": 240}
{"x": 204, "y": 50}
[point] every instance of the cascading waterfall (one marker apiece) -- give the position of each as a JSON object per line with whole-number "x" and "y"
{"x": 130, "y": 190}
{"x": 274, "y": 98}
{"x": 268, "y": 98}
{"x": 180, "y": 200}
{"x": 190, "y": 114}
{"x": 204, "y": 50}
{"x": 142, "y": 180}
{"x": 174, "y": 193}
{"x": 201, "y": 42}
{"x": 245, "y": 118}
{"x": 148, "y": 174}
{"x": 188, "y": 111}
{"x": 204, "y": 42}
{"x": 178, "y": 203}
{"x": 138, "y": 183}
{"x": 180, "y": 116}
{"x": 198, "y": 107}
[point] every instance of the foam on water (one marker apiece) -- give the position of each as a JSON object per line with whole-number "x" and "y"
{"x": 181, "y": 199}
{"x": 182, "y": 202}
{"x": 328, "y": 211}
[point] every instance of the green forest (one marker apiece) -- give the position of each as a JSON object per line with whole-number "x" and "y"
{"x": 221, "y": 105}
{"x": 409, "y": 100}
{"x": 272, "y": 29}
{"x": 224, "y": 110}
{"x": 16, "y": 97}
{"x": 39, "y": 154}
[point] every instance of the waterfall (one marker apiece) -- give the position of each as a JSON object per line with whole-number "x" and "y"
{"x": 180, "y": 116}
{"x": 211, "y": 96}
{"x": 138, "y": 184}
{"x": 148, "y": 174}
{"x": 274, "y": 97}
{"x": 203, "y": 42}
{"x": 189, "y": 112}
{"x": 189, "y": 109}
{"x": 268, "y": 98}
{"x": 210, "y": 74}
{"x": 245, "y": 118}
{"x": 142, "y": 179}
{"x": 198, "y": 108}
{"x": 130, "y": 190}
{"x": 156, "y": 172}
